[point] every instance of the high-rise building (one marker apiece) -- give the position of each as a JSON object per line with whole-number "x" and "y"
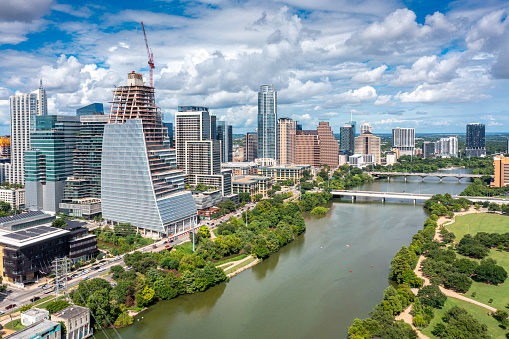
{"x": 199, "y": 153}
{"x": 347, "y": 139}
{"x": 140, "y": 181}
{"x": 447, "y": 147}
{"x": 49, "y": 161}
{"x": 286, "y": 140}
{"x": 250, "y": 147}
{"x": 354, "y": 125}
{"x": 92, "y": 109}
{"x": 429, "y": 149}
{"x": 367, "y": 143}
{"x": 476, "y": 140}
{"x": 169, "y": 133}
{"x": 403, "y": 139}
{"x": 501, "y": 166}
{"x": 224, "y": 134}
{"x": 366, "y": 128}
{"x": 213, "y": 127}
{"x": 329, "y": 149}
{"x": 267, "y": 122}
{"x": 24, "y": 108}
{"x": 307, "y": 148}
{"x": 5, "y": 147}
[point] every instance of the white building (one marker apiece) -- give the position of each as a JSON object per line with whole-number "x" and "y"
{"x": 15, "y": 197}
{"x": 361, "y": 160}
{"x": 33, "y": 315}
{"x": 366, "y": 128}
{"x": 24, "y": 107}
{"x": 447, "y": 147}
{"x": 391, "y": 158}
{"x": 403, "y": 139}
{"x": 76, "y": 320}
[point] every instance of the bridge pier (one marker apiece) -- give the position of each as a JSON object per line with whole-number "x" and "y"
{"x": 383, "y": 200}
{"x": 354, "y": 198}
{"x": 405, "y": 178}
{"x": 459, "y": 180}
{"x": 422, "y": 179}
{"x": 415, "y": 201}
{"x": 440, "y": 179}
{"x": 388, "y": 178}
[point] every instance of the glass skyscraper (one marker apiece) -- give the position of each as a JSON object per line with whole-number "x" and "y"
{"x": 476, "y": 140}
{"x": 140, "y": 181}
{"x": 267, "y": 122}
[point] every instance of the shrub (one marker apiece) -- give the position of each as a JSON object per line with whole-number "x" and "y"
{"x": 431, "y": 296}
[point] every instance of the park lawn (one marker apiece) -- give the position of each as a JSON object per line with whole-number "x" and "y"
{"x": 187, "y": 247}
{"x": 479, "y": 313}
{"x": 242, "y": 264}
{"x": 14, "y": 325}
{"x": 479, "y": 222}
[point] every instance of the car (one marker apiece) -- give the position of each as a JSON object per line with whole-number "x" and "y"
{"x": 8, "y": 307}
{"x": 102, "y": 269}
{"x": 154, "y": 246}
{"x": 69, "y": 278}
{"x": 85, "y": 278}
{"x": 172, "y": 240}
{"x": 167, "y": 246}
{"x": 34, "y": 299}
{"x": 1, "y": 312}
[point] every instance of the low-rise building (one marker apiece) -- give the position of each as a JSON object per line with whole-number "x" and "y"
{"x": 82, "y": 246}
{"x": 361, "y": 160}
{"x": 86, "y": 208}
{"x": 252, "y": 184}
{"x": 44, "y": 329}
{"x": 284, "y": 172}
{"x": 19, "y": 221}
{"x": 241, "y": 168}
{"x": 391, "y": 158}
{"x": 206, "y": 199}
{"x": 76, "y": 320}
{"x": 33, "y": 316}
{"x": 15, "y": 197}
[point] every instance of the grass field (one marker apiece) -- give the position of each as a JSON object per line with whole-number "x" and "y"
{"x": 242, "y": 264}
{"x": 479, "y": 313}
{"x": 14, "y": 325}
{"x": 187, "y": 247}
{"x": 490, "y": 223}
{"x": 479, "y": 222}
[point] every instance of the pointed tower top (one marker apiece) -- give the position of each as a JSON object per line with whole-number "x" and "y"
{"x": 40, "y": 83}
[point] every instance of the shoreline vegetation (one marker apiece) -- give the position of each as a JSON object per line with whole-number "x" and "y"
{"x": 434, "y": 268}
{"x": 165, "y": 275}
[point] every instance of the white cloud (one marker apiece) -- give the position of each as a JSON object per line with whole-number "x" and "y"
{"x": 23, "y": 10}
{"x": 369, "y": 77}
{"x": 383, "y": 100}
{"x": 363, "y": 94}
{"x": 428, "y": 69}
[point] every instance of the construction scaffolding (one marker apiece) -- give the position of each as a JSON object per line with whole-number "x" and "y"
{"x": 61, "y": 266}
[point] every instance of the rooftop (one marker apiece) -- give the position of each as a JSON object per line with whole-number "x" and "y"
{"x": 30, "y": 235}
{"x": 35, "y": 311}
{"x": 70, "y": 312}
{"x": 31, "y": 214}
{"x": 71, "y": 224}
{"x": 239, "y": 164}
{"x": 249, "y": 179}
{"x": 33, "y": 330}
{"x": 292, "y": 166}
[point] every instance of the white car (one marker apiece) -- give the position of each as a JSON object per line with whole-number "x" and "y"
{"x": 101, "y": 269}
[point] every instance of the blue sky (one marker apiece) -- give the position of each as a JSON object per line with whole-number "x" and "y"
{"x": 432, "y": 65}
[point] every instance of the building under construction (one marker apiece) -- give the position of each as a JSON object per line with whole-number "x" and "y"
{"x": 140, "y": 182}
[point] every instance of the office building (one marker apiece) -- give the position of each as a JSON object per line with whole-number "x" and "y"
{"x": 447, "y": 147}
{"x": 267, "y": 122}
{"x": 361, "y": 160}
{"x": 140, "y": 181}
{"x": 476, "y": 140}
{"x": 44, "y": 329}
{"x": 49, "y": 161}
{"x": 202, "y": 157}
{"x": 307, "y": 148}
{"x": 92, "y": 109}
{"x": 18, "y": 222}
{"x": 429, "y": 149}
{"x": 76, "y": 320}
{"x": 252, "y": 184}
{"x": 284, "y": 172}
{"x": 354, "y": 125}
{"x": 367, "y": 143}
{"x": 347, "y": 139}
{"x": 24, "y": 108}
{"x": 250, "y": 147}
{"x": 366, "y": 128}
{"x": 329, "y": 148}
{"x": 286, "y": 129}
{"x": 224, "y": 134}
{"x": 403, "y": 139}
{"x": 501, "y": 165}
{"x": 192, "y": 123}
{"x": 213, "y": 127}
{"x": 391, "y": 158}
{"x": 14, "y": 197}
{"x": 240, "y": 168}
{"x": 82, "y": 191}
{"x": 170, "y": 133}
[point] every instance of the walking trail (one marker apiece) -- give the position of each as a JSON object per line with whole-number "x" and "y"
{"x": 405, "y": 315}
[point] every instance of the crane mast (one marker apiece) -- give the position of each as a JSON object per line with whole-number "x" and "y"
{"x": 150, "y": 57}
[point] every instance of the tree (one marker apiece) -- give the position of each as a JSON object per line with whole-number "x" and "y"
{"x": 58, "y": 223}
{"x": 56, "y": 306}
{"x": 260, "y": 250}
{"x": 432, "y": 296}
{"x": 145, "y": 296}
{"x": 489, "y": 272}
{"x": 204, "y": 232}
{"x": 123, "y": 319}
{"x": 116, "y": 270}
{"x": 501, "y": 317}
{"x": 244, "y": 197}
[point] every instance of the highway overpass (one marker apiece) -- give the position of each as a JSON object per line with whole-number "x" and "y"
{"x": 415, "y": 197}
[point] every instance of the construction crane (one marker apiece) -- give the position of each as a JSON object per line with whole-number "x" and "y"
{"x": 150, "y": 57}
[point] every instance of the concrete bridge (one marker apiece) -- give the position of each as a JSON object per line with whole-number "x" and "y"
{"x": 440, "y": 175}
{"x": 409, "y": 196}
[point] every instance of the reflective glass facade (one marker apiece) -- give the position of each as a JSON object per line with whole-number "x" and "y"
{"x": 267, "y": 122}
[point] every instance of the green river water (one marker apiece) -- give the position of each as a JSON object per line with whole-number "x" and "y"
{"x": 306, "y": 290}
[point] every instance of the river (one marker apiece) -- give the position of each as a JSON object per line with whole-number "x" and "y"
{"x": 306, "y": 289}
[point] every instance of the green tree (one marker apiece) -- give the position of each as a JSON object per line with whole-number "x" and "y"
{"x": 56, "y": 306}
{"x": 204, "y": 232}
{"x": 58, "y": 223}
{"x": 432, "y": 296}
{"x": 145, "y": 296}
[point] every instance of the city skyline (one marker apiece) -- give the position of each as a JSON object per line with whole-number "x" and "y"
{"x": 426, "y": 66}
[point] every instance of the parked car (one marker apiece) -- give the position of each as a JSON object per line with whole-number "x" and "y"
{"x": 85, "y": 278}
{"x": 8, "y": 307}
{"x": 167, "y": 246}
{"x": 154, "y": 246}
{"x": 34, "y": 299}
{"x": 102, "y": 269}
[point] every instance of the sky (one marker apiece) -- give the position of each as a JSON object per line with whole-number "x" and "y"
{"x": 431, "y": 65}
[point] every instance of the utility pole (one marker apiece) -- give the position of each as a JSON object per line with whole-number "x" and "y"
{"x": 61, "y": 270}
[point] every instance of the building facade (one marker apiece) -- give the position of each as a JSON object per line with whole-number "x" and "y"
{"x": 14, "y": 197}
{"x": 447, "y": 147}
{"x": 49, "y": 161}
{"x": 329, "y": 148}
{"x": 501, "y": 165}
{"x": 267, "y": 122}
{"x": 366, "y": 128}
{"x": 429, "y": 149}
{"x": 44, "y": 329}
{"x": 347, "y": 139}
{"x": 76, "y": 320}
{"x": 252, "y": 184}
{"x": 224, "y": 133}
{"x": 476, "y": 140}
{"x": 250, "y": 147}
{"x": 140, "y": 181}
{"x": 286, "y": 129}
{"x": 284, "y": 172}
{"x": 92, "y": 109}
{"x": 403, "y": 139}
{"x": 367, "y": 143}
{"x": 307, "y": 148}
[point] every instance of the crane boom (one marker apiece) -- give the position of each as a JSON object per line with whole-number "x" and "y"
{"x": 150, "y": 57}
